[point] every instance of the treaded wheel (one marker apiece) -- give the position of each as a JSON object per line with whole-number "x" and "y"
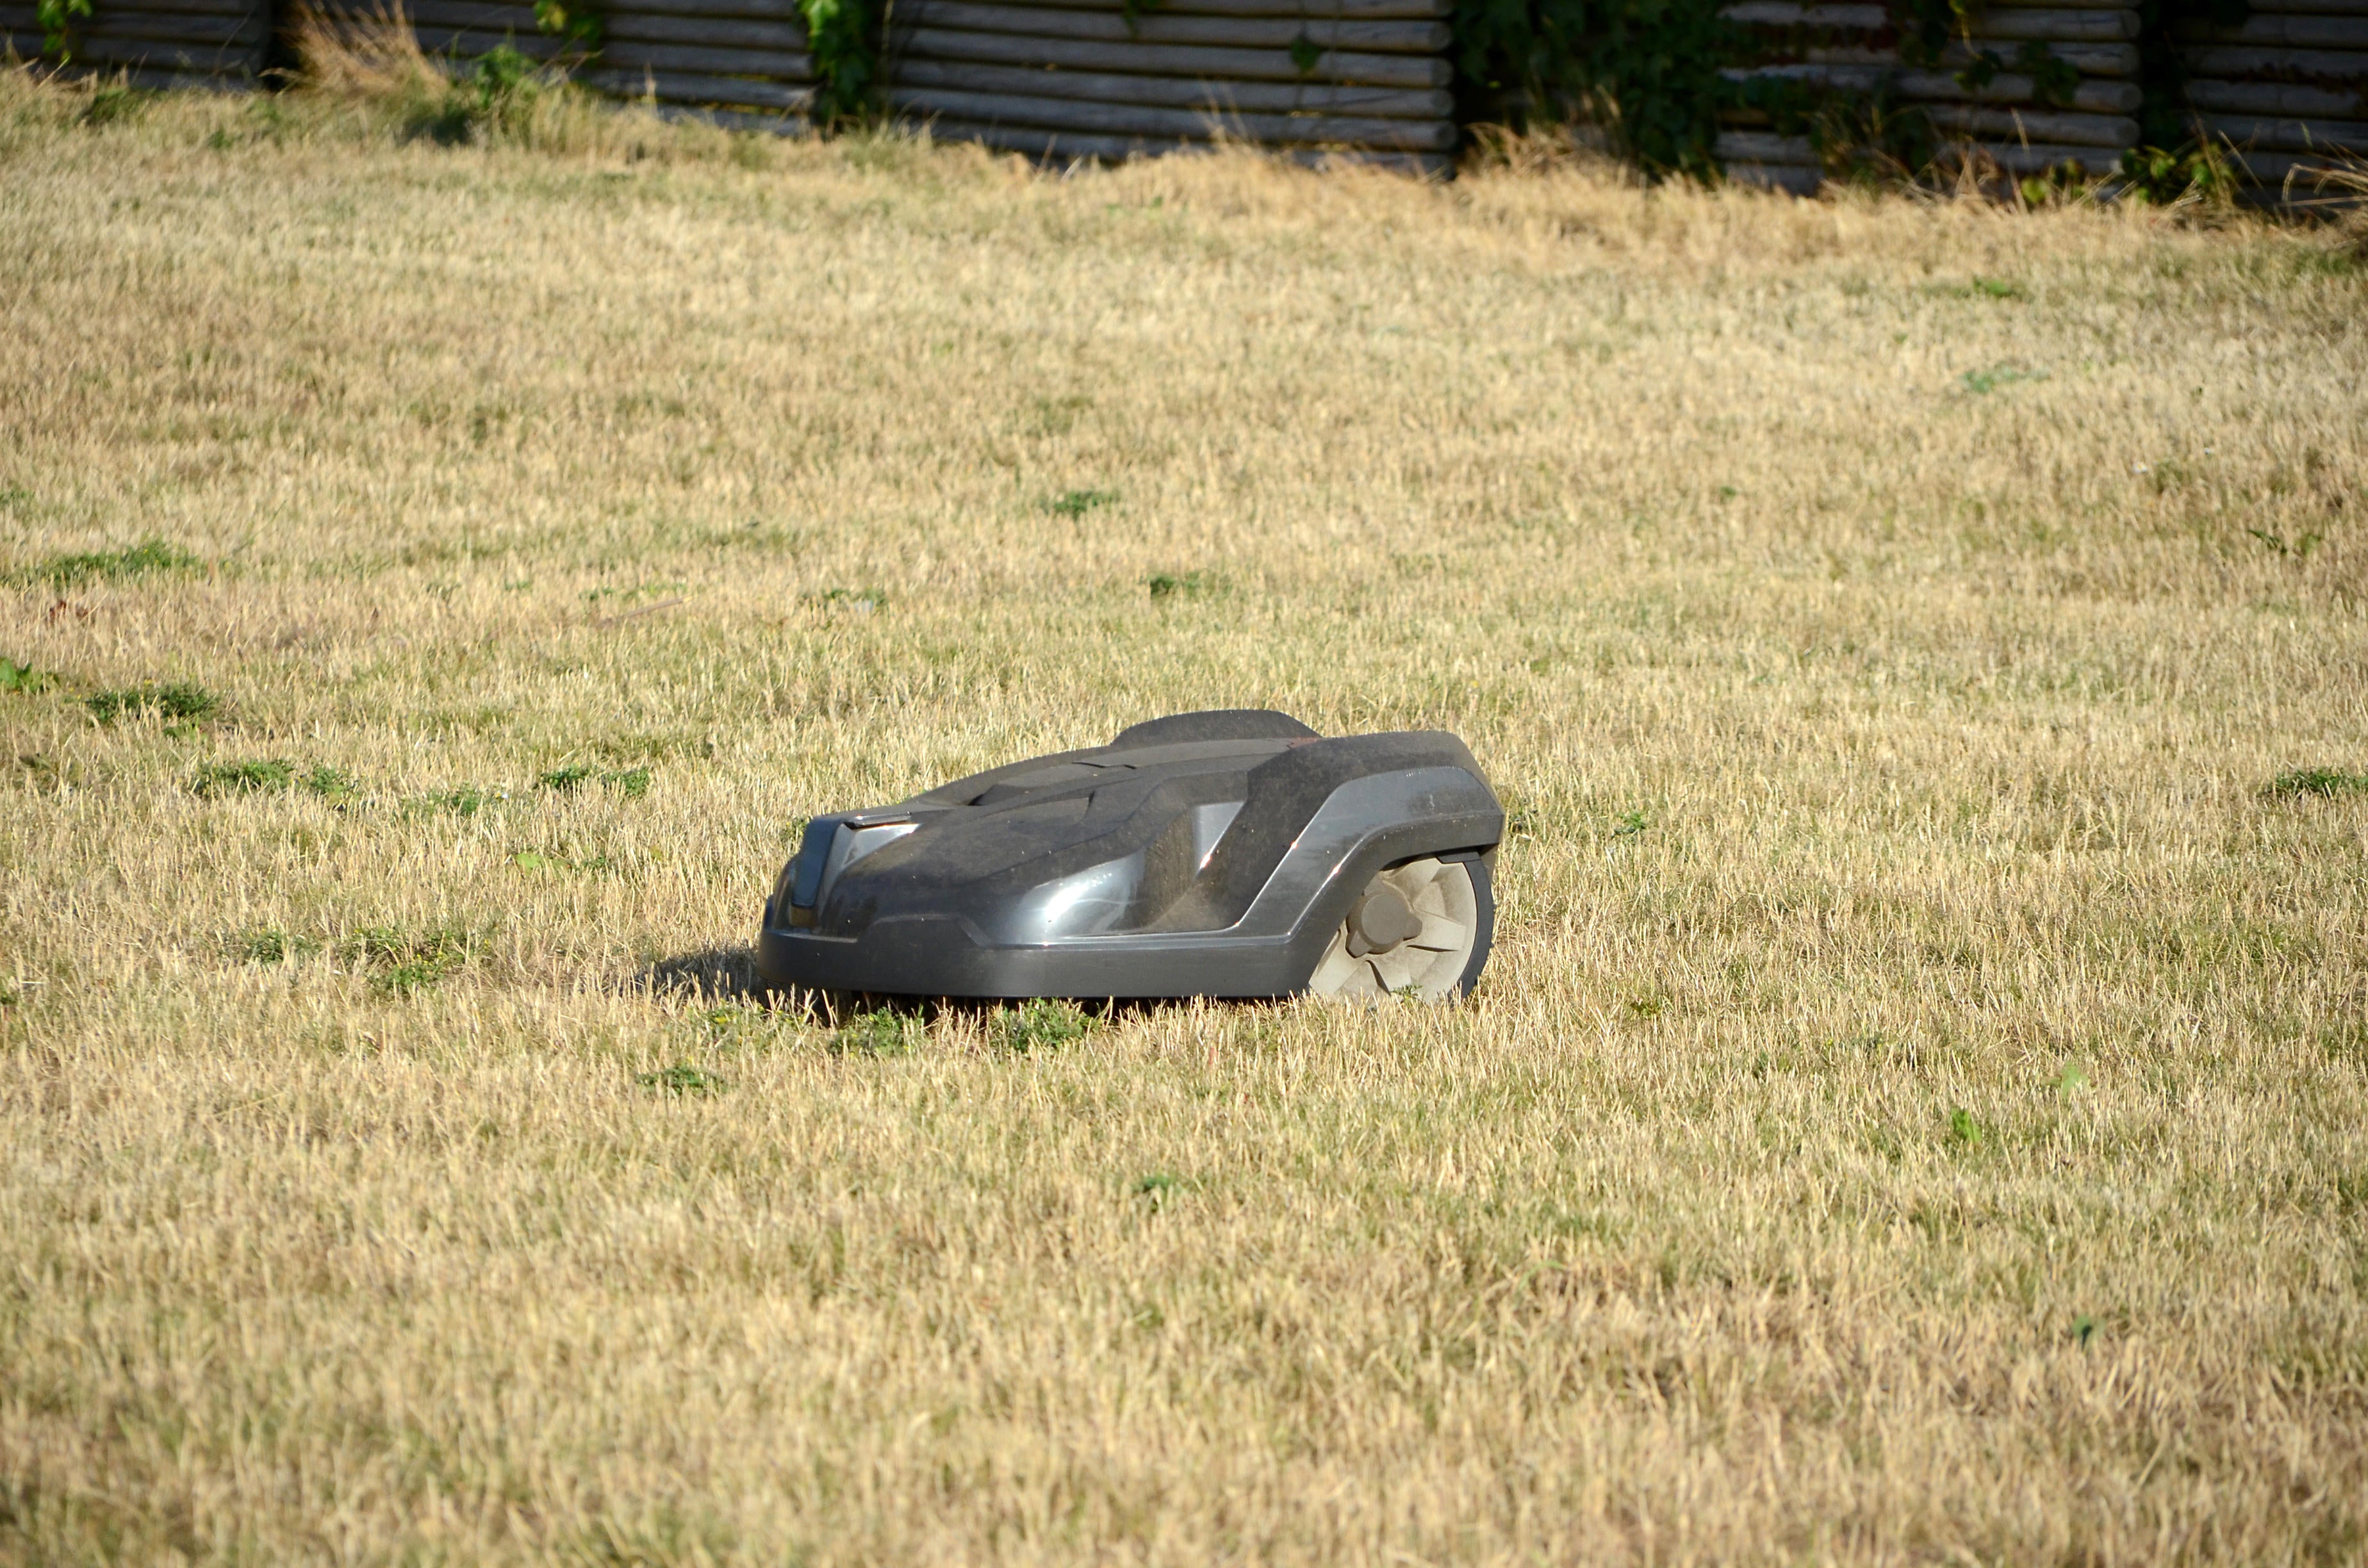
{"x": 1423, "y": 929}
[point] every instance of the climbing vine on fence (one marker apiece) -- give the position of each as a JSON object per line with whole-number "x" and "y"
{"x": 844, "y": 38}
{"x": 57, "y": 18}
{"x": 576, "y": 21}
{"x": 1647, "y": 70}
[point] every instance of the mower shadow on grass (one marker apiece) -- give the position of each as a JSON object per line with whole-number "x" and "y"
{"x": 715, "y": 975}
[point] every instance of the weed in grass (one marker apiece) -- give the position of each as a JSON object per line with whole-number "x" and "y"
{"x": 113, "y": 566}
{"x": 2074, "y": 1076}
{"x": 1630, "y": 825}
{"x": 113, "y": 103}
{"x": 1978, "y": 383}
{"x": 537, "y": 861}
{"x": 248, "y": 777}
{"x": 1964, "y": 1128}
{"x": 682, "y": 1078}
{"x": 496, "y": 98}
{"x": 464, "y": 800}
{"x": 23, "y": 678}
{"x": 404, "y": 961}
{"x": 1180, "y": 585}
{"x": 269, "y": 944}
{"x": 1040, "y": 1024}
{"x": 1078, "y": 503}
{"x": 13, "y": 496}
{"x": 331, "y": 785}
{"x": 2084, "y": 1329}
{"x": 630, "y": 782}
{"x": 2329, "y": 781}
{"x": 565, "y": 780}
{"x": 881, "y": 1032}
{"x": 179, "y": 700}
{"x": 862, "y": 601}
{"x": 7, "y": 994}
{"x": 2276, "y": 544}
{"x": 1158, "y": 1188}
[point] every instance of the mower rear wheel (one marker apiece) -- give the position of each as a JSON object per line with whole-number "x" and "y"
{"x": 1420, "y": 929}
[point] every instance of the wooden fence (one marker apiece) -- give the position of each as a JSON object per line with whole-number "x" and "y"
{"x": 743, "y": 61}
{"x": 2285, "y": 91}
{"x": 158, "y": 43}
{"x": 1086, "y": 78}
{"x": 1856, "y": 47}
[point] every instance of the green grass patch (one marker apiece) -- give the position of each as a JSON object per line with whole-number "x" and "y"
{"x": 252, "y": 777}
{"x": 2328, "y": 782}
{"x": 1040, "y": 1024}
{"x": 145, "y": 559}
{"x": 179, "y": 700}
{"x": 682, "y": 1078}
{"x": 1078, "y": 503}
{"x": 23, "y": 678}
{"x": 401, "y": 962}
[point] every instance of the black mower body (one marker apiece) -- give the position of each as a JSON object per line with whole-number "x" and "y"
{"x": 1206, "y": 854}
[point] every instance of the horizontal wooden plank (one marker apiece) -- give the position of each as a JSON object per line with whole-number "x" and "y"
{"x": 2276, "y": 98}
{"x": 150, "y": 52}
{"x": 1335, "y": 10}
{"x": 2053, "y": 26}
{"x": 1141, "y": 120}
{"x": 690, "y": 87}
{"x": 2290, "y": 135}
{"x": 1794, "y": 179}
{"x": 467, "y": 44}
{"x": 1176, "y": 59}
{"x": 1272, "y": 97}
{"x": 754, "y": 121}
{"x": 191, "y": 7}
{"x": 2092, "y": 95}
{"x": 475, "y": 15}
{"x": 1060, "y": 146}
{"x": 163, "y": 79}
{"x": 1763, "y": 147}
{"x": 2290, "y": 31}
{"x": 1159, "y": 28}
{"x": 2275, "y": 168}
{"x": 211, "y": 32}
{"x": 779, "y": 64}
{"x": 2089, "y": 59}
{"x": 2320, "y": 67}
{"x": 707, "y": 32}
{"x": 1793, "y": 14}
{"x": 2315, "y": 7}
{"x": 2039, "y": 157}
{"x": 776, "y": 10}
{"x": 2035, "y": 124}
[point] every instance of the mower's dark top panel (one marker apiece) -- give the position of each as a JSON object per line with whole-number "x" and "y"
{"x": 1206, "y": 848}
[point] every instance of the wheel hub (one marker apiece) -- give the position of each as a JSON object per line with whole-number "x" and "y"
{"x": 1381, "y": 920}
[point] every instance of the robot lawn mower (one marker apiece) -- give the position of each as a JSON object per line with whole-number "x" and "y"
{"x": 1223, "y": 854}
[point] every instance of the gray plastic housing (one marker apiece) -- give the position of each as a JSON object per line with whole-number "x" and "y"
{"x": 1203, "y": 854}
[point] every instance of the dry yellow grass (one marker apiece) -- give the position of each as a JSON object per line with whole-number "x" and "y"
{"x": 1916, "y": 1112}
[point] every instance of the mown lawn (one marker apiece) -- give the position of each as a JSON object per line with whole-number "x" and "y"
{"x": 1917, "y": 1110}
